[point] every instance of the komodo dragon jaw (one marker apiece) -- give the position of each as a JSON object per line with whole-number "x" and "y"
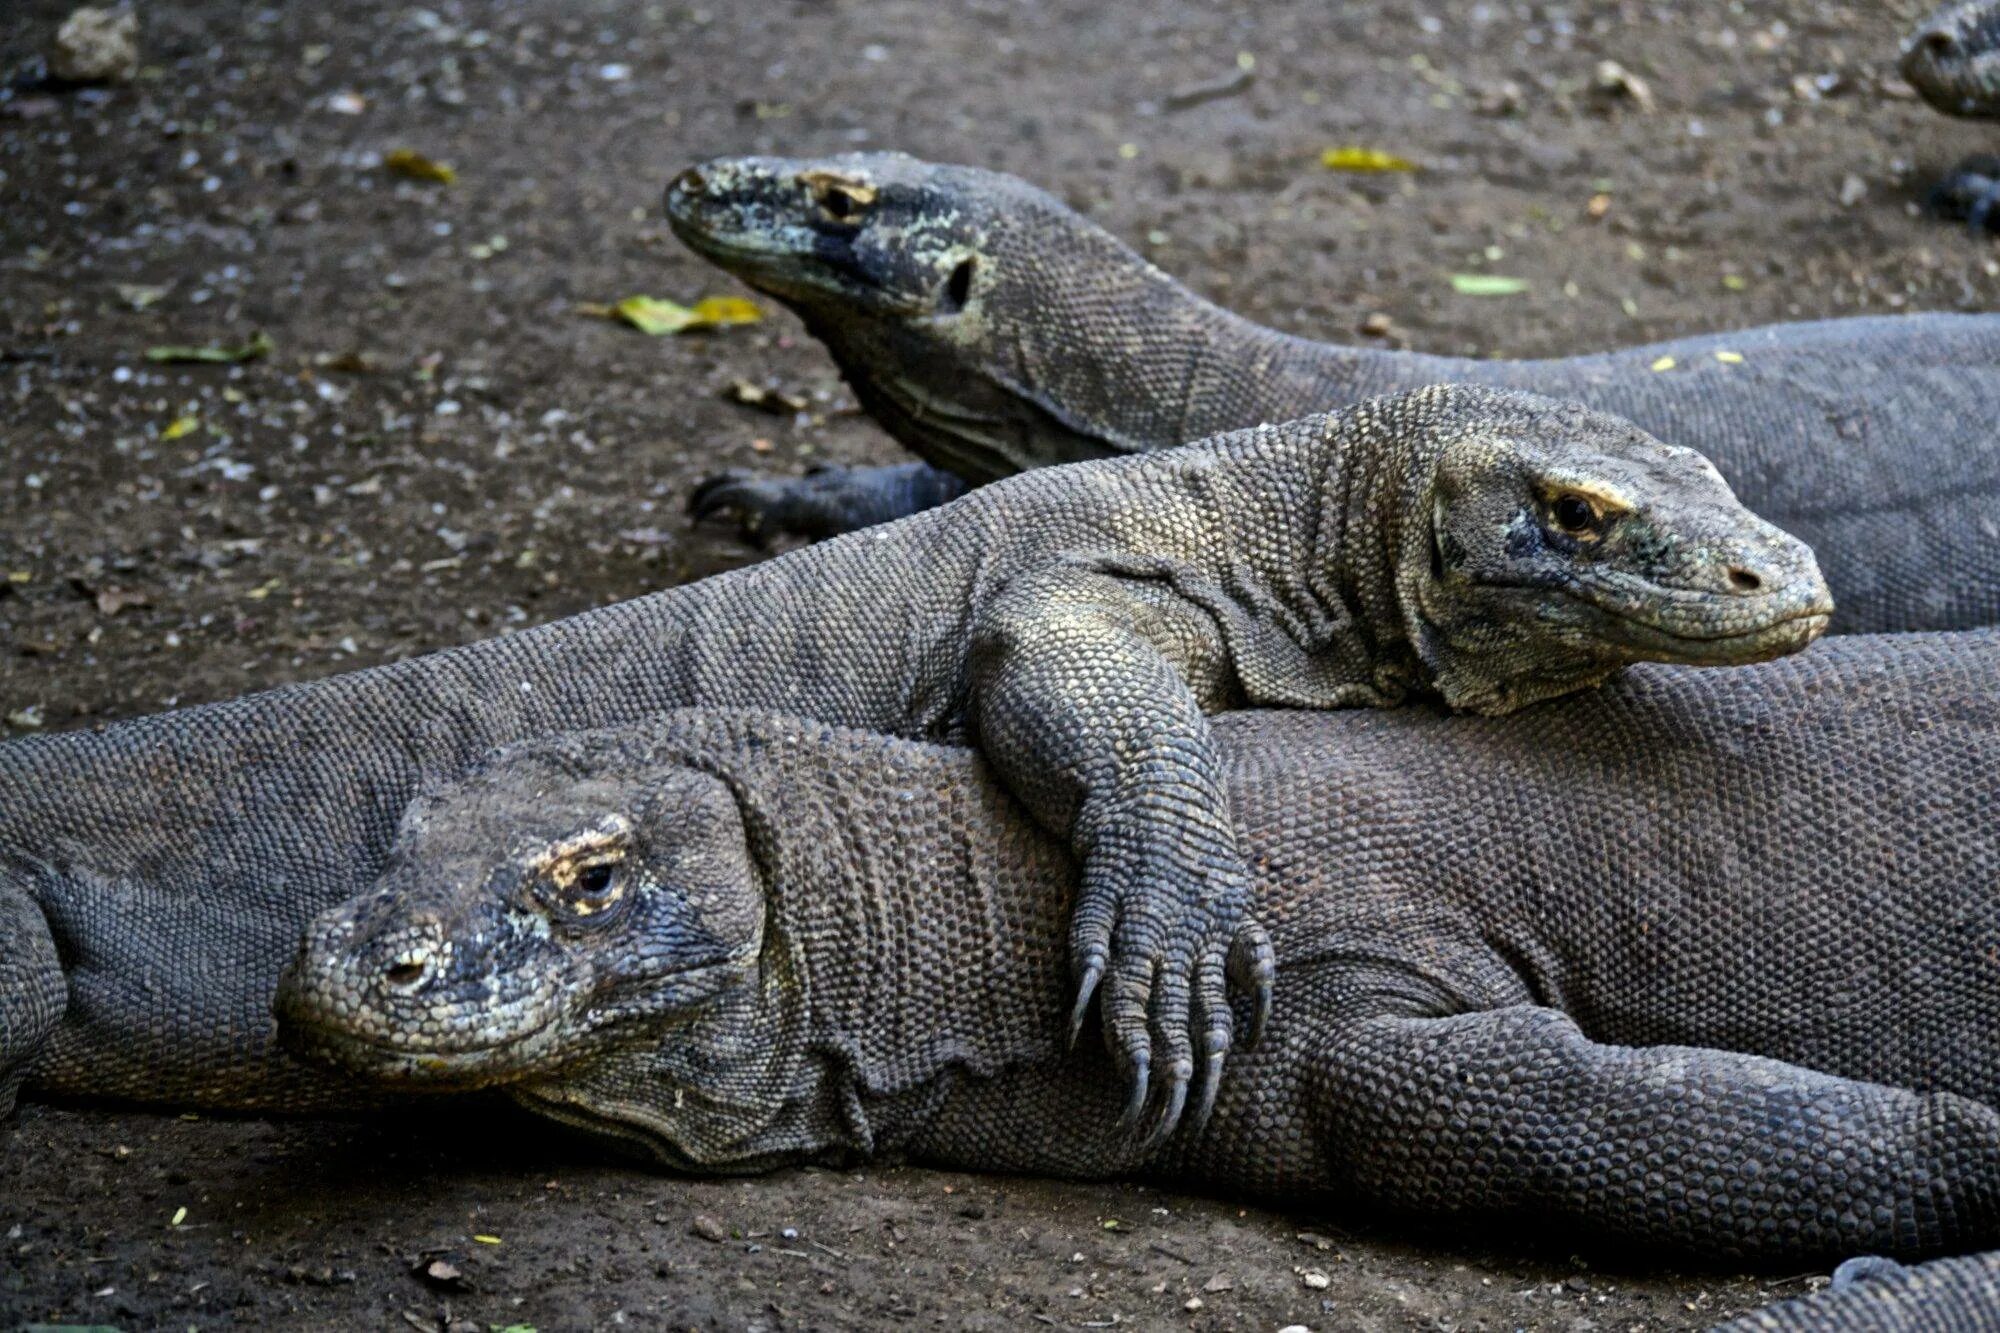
{"x": 1953, "y": 59}
{"x": 512, "y": 936}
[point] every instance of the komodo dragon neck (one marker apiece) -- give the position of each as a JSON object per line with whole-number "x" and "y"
{"x": 913, "y": 937}
{"x": 1186, "y": 368}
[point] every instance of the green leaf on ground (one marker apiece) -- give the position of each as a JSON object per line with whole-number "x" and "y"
{"x": 1487, "y": 284}
{"x": 260, "y": 344}
{"x": 1353, "y": 157}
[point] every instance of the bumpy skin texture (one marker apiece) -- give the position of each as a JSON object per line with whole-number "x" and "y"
{"x": 991, "y": 329}
{"x": 1953, "y": 58}
{"x": 1648, "y": 962}
{"x": 1874, "y": 1295}
{"x": 1077, "y": 624}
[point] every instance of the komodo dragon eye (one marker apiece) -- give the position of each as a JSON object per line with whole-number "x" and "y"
{"x": 593, "y": 889}
{"x": 839, "y": 199}
{"x": 1574, "y": 514}
{"x": 585, "y": 877}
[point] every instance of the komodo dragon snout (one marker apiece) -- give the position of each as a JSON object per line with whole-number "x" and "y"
{"x": 481, "y": 955}
{"x": 1953, "y": 58}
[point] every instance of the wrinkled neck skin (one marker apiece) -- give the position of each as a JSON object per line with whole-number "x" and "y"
{"x": 1026, "y": 373}
{"x": 1326, "y": 537}
{"x": 900, "y": 956}
{"x": 1150, "y": 365}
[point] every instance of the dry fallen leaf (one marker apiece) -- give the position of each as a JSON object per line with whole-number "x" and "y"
{"x": 775, "y": 401}
{"x": 1353, "y": 158}
{"x": 139, "y": 295}
{"x": 408, "y": 162}
{"x": 654, "y": 316}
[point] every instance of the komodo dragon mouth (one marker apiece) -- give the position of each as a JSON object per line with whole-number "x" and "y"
{"x": 1698, "y": 627}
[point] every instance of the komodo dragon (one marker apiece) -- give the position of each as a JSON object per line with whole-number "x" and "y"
{"x": 1489, "y": 548}
{"x": 1953, "y": 59}
{"x": 1706, "y": 960}
{"x": 991, "y": 329}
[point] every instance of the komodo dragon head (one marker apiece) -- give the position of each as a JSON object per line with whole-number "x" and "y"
{"x": 1953, "y": 58}
{"x": 532, "y": 914}
{"x": 943, "y": 292}
{"x": 1538, "y": 546}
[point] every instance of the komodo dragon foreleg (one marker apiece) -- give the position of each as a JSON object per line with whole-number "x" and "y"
{"x": 1515, "y": 1110}
{"x": 32, "y": 993}
{"x": 1713, "y": 1151}
{"x": 1133, "y": 662}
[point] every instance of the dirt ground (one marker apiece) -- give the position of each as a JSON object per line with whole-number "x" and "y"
{"x": 440, "y": 447}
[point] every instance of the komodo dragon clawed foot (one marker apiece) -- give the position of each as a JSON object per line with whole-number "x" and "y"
{"x": 1970, "y": 194}
{"x": 825, "y": 502}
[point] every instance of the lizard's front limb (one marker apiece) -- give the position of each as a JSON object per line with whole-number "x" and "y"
{"x": 826, "y": 501}
{"x": 1083, "y": 703}
{"x": 1515, "y": 1111}
{"x": 32, "y": 992}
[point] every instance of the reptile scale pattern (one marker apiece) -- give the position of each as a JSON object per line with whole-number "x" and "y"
{"x": 1255, "y": 569}
{"x": 1870, "y": 438}
{"x": 1644, "y": 962}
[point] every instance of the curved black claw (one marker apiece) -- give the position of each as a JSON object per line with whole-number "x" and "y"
{"x": 1253, "y": 967}
{"x": 1162, "y": 971}
{"x": 1136, "y": 1063}
{"x": 734, "y": 494}
{"x": 1174, "y": 1101}
{"x": 1218, "y": 1024}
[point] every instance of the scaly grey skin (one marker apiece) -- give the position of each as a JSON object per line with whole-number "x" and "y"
{"x": 1648, "y": 963}
{"x": 1877, "y": 1295}
{"x": 1953, "y": 59}
{"x": 991, "y": 330}
{"x": 1490, "y": 549}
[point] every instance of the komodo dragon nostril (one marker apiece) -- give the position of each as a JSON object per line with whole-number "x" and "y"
{"x": 1938, "y": 43}
{"x": 408, "y": 969}
{"x": 1744, "y": 580}
{"x": 691, "y": 181}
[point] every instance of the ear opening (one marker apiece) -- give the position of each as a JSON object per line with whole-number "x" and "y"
{"x": 958, "y": 287}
